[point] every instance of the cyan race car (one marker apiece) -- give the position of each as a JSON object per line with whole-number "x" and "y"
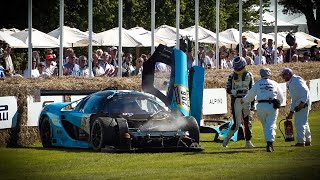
{"x": 116, "y": 120}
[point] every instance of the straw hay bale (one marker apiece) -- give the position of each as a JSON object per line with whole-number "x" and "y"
{"x": 22, "y": 135}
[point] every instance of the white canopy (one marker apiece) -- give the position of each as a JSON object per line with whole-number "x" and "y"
{"x": 206, "y": 36}
{"x": 233, "y": 35}
{"x": 168, "y": 32}
{"x": 10, "y": 31}
{"x": 138, "y": 30}
{"x": 256, "y": 36}
{"x": 307, "y": 36}
{"x": 12, "y": 41}
{"x": 70, "y": 36}
{"x": 301, "y": 42}
{"x": 111, "y": 38}
{"x": 39, "y": 39}
{"x": 144, "y": 37}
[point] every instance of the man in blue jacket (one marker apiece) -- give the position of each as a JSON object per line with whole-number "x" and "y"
{"x": 300, "y": 106}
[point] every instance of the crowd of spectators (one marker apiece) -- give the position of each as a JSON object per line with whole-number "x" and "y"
{"x": 105, "y": 62}
{"x": 251, "y": 55}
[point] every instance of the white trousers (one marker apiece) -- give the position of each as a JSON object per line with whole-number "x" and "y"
{"x": 268, "y": 116}
{"x": 302, "y": 125}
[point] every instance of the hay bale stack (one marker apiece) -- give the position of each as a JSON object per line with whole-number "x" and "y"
{"x": 22, "y": 135}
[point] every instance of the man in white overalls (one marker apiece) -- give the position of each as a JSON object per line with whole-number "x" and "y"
{"x": 269, "y": 96}
{"x": 239, "y": 83}
{"x": 300, "y": 106}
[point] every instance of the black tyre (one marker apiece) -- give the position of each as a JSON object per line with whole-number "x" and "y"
{"x": 192, "y": 127}
{"x": 45, "y": 132}
{"x": 102, "y": 133}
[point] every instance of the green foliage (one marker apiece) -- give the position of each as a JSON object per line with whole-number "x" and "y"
{"x": 214, "y": 162}
{"x": 135, "y": 13}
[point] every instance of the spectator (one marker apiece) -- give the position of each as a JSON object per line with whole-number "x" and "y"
{"x": 270, "y": 52}
{"x": 71, "y": 68}
{"x": 68, "y": 52}
{"x": 139, "y": 67}
{"x": 246, "y": 57}
{"x": 96, "y": 67}
{"x": 34, "y": 71}
{"x": 290, "y": 52}
{"x": 35, "y": 54}
{"x": 295, "y": 58}
{"x": 84, "y": 70}
{"x": 209, "y": 60}
{"x": 190, "y": 60}
{"x": 300, "y": 106}
{"x": 245, "y": 44}
{"x": 223, "y": 60}
{"x": 8, "y": 64}
{"x": 280, "y": 56}
{"x": 106, "y": 65}
{"x": 306, "y": 57}
{"x": 257, "y": 59}
{"x": 42, "y": 70}
{"x": 127, "y": 67}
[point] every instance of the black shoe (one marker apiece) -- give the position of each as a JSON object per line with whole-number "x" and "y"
{"x": 270, "y": 146}
{"x": 307, "y": 144}
{"x": 299, "y": 145}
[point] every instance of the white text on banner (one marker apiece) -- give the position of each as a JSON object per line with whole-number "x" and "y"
{"x": 214, "y": 101}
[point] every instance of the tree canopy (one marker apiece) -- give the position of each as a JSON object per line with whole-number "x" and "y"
{"x": 135, "y": 13}
{"x": 310, "y": 8}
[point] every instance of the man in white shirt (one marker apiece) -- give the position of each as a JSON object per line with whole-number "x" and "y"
{"x": 84, "y": 70}
{"x": 269, "y": 96}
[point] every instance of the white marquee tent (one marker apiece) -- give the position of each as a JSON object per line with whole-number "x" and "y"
{"x": 111, "y": 38}
{"x": 207, "y": 36}
{"x": 39, "y": 39}
{"x": 70, "y": 36}
{"x": 12, "y": 41}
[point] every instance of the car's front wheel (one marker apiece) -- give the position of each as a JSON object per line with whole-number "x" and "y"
{"x": 45, "y": 132}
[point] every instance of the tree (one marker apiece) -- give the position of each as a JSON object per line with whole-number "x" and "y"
{"x": 307, "y": 8}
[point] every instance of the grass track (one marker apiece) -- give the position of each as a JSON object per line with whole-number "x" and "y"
{"x": 214, "y": 162}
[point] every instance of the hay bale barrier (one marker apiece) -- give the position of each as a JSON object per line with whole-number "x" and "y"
{"x": 23, "y": 135}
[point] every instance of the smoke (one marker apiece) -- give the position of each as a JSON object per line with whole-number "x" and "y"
{"x": 172, "y": 123}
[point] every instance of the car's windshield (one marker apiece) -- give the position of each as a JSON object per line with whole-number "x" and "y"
{"x": 136, "y": 104}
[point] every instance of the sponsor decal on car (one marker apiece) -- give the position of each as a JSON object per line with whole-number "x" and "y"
{"x": 181, "y": 94}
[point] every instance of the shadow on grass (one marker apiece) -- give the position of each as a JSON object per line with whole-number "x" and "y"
{"x": 66, "y": 149}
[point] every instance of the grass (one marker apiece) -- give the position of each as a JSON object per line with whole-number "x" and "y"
{"x": 214, "y": 162}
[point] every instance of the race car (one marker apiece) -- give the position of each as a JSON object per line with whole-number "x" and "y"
{"x": 129, "y": 120}
{"x": 114, "y": 120}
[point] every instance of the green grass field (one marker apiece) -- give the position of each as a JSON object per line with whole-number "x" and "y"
{"x": 214, "y": 162}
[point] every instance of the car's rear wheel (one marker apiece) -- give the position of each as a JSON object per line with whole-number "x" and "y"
{"x": 45, "y": 132}
{"x": 103, "y": 133}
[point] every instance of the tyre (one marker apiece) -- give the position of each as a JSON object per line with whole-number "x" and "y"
{"x": 192, "y": 127}
{"x": 102, "y": 133}
{"x": 45, "y": 132}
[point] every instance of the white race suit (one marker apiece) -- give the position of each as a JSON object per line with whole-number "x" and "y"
{"x": 266, "y": 91}
{"x": 299, "y": 92}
